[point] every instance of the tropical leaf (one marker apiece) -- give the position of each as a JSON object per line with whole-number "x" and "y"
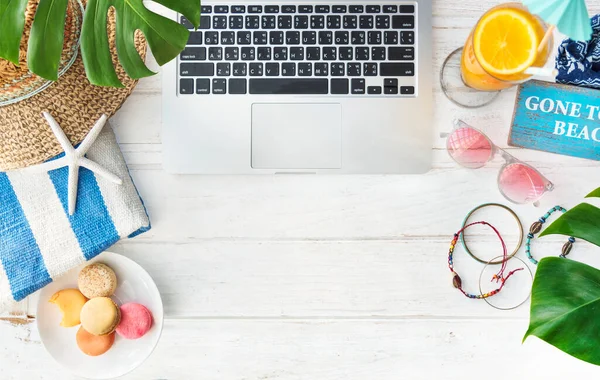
{"x": 46, "y": 38}
{"x": 582, "y": 221}
{"x": 12, "y": 22}
{"x": 165, "y": 37}
{"x": 594, "y": 194}
{"x": 565, "y": 307}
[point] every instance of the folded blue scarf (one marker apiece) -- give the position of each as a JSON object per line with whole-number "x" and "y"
{"x": 578, "y": 62}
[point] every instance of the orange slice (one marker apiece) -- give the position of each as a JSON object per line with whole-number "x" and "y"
{"x": 505, "y": 41}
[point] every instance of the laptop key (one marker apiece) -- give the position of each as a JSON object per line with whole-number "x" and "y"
{"x": 204, "y": 22}
{"x": 221, "y": 9}
{"x": 305, "y": 69}
{"x": 334, "y": 22}
{"x": 223, "y": 69}
{"x": 195, "y": 38}
{"x": 356, "y": 9}
{"x": 350, "y": 22}
{"x": 252, "y": 22}
{"x": 236, "y": 22}
{"x": 407, "y": 9}
{"x": 378, "y": 53}
{"x": 185, "y": 22}
{"x": 219, "y": 86}
{"x": 305, "y": 9}
{"x": 292, "y": 37}
{"x": 211, "y": 38}
{"x": 390, "y": 9}
{"x": 186, "y": 86}
{"x": 366, "y": 22}
{"x": 407, "y": 38}
{"x": 361, "y": 53}
{"x": 397, "y": 69}
{"x": 288, "y": 69}
{"x": 329, "y": 53}
{"x": 215, "y": 53}
{"x": 401, "y": 53}
{"x": 339, "y": 9}
{"x": 357, "y": 37}
{"x": 370, "y": 69}
{"x": 390, "y": 90}
{"x": 268, "y": 22}
{"x": 289, "y": 86}
{"x": 339, "y": 86}
{"x": 321, "y": 69}
{"x": 239, "y": 69}
{"x": 288, "y": 9}
{"x": 390, "y": 37}
{"x": 202, "y": 86}
{"x": 232, "y": 53}
{"x": 280, "y": 53}
{"x": 382, "y": 22}
{"x": 227, "y": 38}
{"x": 276, "y": 37}
{"x": 374, "y": 37}
{"x": 197, "y": 69}
{"x": 206, "y": 9}
{"x": 309, "y": 37}
{"x": 358, "y": 86}
{"x": 374, "y": 90}
{"x": 407, "y": 90}
{"x": 342, "y": 37}
{"x": 403, "y": 22}
{"x": 260, "y": 38}
{"x": 244, "y": 38}
{"x": 325, "y": 37}
{"x": 313, "y": 53}
{"x": 387, "y": 82}
{"x": 255, "y": 9}
{"x": 284, "y": 22}
{"x": 193, "y": 54}
{"x": 345, "y": 53}
{"x": 353, "y": 69}
{"x": 322, "y": 9}
{"x": 317, "y": 22}
{"x": 296, "y": 53}
{"x": 255, "y": 69}
{"x": 373, "y": 9}
{"x": 264, "y": 53}
{"x": 248, "y": 53}
{"x": 272, "y": 69}
{"x": 337, "y": 69}
{"x": 219, "y": 22}
{"x": 238, "y": 9}
{"x": 271, "y": 8}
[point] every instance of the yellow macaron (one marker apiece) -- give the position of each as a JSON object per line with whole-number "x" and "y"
{"x": 100, "y": 316}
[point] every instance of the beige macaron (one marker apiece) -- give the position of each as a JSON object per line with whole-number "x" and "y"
{"x": 100, "y": 316}
{"x": 97, "y": 280}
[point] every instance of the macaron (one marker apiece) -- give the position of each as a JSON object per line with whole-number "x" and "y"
{"x": 94, "y": 345}
{"x": 136, "y": 320}
{"x": 100, "y": 316}
{"x": 97, "y": 280}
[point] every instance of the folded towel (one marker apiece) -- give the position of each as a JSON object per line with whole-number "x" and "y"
{"x": 40, "y": 241}
{"x": 578, "y": 62}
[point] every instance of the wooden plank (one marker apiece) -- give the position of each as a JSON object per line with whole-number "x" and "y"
{"x": 557, "y": 118}
{"x": 346, "y": 279}
{"x": 322, "y": 349}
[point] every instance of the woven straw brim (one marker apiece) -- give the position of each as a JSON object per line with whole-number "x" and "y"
{"x": 26, "y": 138}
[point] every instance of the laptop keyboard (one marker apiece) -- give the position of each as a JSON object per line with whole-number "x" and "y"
{"x": 329, "y": 49}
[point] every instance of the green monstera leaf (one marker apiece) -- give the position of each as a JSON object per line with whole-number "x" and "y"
{"x": 165, "y": 37}
{"x": 565, "y": 307}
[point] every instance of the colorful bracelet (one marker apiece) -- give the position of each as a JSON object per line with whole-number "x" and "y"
{"x": 536, "y": 227}
{"x": 499, "y": 277}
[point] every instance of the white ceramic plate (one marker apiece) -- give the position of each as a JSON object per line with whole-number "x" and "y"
{"x": 134, "y": 285}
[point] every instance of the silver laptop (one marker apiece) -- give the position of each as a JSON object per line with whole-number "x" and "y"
{"x": 301, "y": 87}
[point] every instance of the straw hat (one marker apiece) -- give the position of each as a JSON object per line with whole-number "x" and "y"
{"x": 25, "y": 137}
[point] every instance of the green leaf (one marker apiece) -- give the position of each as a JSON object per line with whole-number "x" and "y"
{"x": 12, "y": 22}
{"x": 582, "y": 222}
{"x": 165, "y": 37}
{"x": 594, "y": 194}
{"x": 565, "y": 307}
{"x": 46, "y": 38}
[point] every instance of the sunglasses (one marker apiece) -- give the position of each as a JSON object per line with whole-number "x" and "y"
{"x": 517, "y": 181}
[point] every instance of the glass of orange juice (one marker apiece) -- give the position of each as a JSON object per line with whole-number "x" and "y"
{"x": 506, "y": 46}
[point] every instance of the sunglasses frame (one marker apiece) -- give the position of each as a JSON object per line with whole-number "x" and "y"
{"x": 507, "y": 157}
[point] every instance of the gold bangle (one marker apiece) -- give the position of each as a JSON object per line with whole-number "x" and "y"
{"x": 462, "y": 236}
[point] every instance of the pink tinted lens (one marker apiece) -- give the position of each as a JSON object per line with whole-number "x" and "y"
{"x": 469, "y": 147}
{"x": 521, "y": 183}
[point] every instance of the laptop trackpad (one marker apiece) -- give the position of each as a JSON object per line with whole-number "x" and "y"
{"x": 296, "y": 136}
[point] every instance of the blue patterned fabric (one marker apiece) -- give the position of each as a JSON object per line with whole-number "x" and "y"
{"x": 578, "y": 63}
{"x": 40, "y": 241}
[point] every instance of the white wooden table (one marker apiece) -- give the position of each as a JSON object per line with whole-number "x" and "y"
{"x": 268, "y": 277}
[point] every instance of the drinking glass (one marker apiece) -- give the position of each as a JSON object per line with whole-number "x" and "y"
{"x": 470, "y": 80}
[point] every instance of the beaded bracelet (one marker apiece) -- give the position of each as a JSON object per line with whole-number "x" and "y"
{"x": 537, "y": 227}
{"x": 499, "y": 277}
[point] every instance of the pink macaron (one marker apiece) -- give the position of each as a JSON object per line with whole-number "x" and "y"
{"x": 136, "y": 320}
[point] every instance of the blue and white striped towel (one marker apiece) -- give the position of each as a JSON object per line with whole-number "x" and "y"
{"x": 39, "y": 241}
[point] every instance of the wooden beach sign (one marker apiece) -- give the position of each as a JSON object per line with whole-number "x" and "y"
{"x": 557, "y": 118}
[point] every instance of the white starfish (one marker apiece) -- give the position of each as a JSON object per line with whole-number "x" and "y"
{"x": 74, "y": 158}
